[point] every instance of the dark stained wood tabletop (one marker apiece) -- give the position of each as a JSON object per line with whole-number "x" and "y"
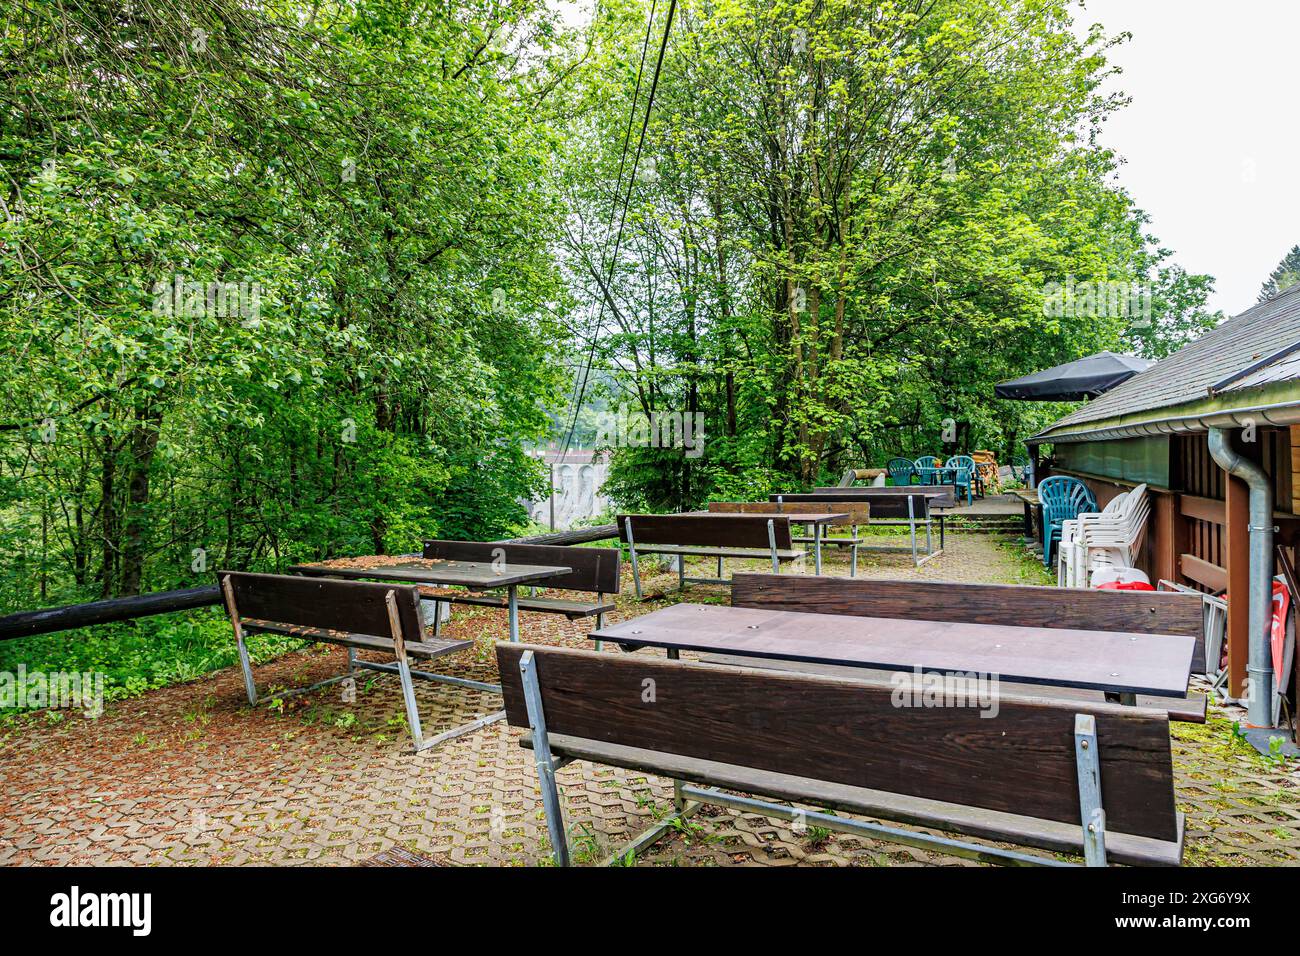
{"x": 470, "y": 574}
{"x": 796, "y": 517}
{"x": 1116, "y": 661}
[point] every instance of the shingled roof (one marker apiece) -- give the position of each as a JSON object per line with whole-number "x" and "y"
{"x": 1220, "y": 374}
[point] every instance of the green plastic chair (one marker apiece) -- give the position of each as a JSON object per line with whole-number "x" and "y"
{"x": 965, "y": 475}
{"x": 1063, "y": 499}
{"x": 925, "y": 468}
{"x": 1020, "y": 468}
{"x": 901, "y": 471}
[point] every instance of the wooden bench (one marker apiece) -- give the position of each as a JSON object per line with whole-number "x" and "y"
{"x": 357, "y": 615}
{"x": 707, "y": 535}
{"x": 856, "y": 514}
{"x": 1068, "y": 777}
{"x": 1141, "y": 612}
{"x": 595, "y": 570}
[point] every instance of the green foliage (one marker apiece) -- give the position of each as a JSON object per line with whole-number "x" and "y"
{"x": 276, "y": 283}
{"x": 141, "y": 655}
{"x": 1283, "y": 277}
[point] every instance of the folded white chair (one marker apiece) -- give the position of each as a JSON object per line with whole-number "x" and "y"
{"x": 1071, "y": 558}
{"x": 1114, "y": 539}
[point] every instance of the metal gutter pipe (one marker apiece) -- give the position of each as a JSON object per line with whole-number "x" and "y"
{"x": 1259, "y": 665}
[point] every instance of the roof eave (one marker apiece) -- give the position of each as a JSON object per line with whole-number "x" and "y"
{"x": 1277, "y": 403}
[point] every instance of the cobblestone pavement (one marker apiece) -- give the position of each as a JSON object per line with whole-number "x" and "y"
{"x": 189, "y": 775}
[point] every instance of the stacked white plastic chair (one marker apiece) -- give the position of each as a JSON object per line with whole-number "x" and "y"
{"x": 1107, "y": 539}
{"x": 1067, "y": 555}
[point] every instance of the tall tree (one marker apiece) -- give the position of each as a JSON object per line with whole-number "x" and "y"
{"x": 1283, "y": 277}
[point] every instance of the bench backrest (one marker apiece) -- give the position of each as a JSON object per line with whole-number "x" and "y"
{"x": 1142, "y": 612}
{"x": 853, "y": 733}
{"x": 891, "y": 505}
{"x": 855, "y": 512}
{"x": 594, "y": 569}
{"x": 720, "y": 530}
{"x": 358, "y": 607}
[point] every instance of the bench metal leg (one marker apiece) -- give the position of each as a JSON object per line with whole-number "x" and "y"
{"x": 681, "y": 572}
{"x": 719, "y": 567}
{"x": 396, "y": 668}
{"x": 817, "y": 545}
{"x": 600, "y": 622}
{"x": 853, "y": 566}
{"x": 545, "y": 763}
{"x": 408, "y": 697}
{"x": 631, "y": 548}
{"x": 429, "y": 675}
{"x": 771, "y": 540}
{"x": 652, "y": 835}
{"x": 1089, "y": 770}
{"x": 925, "y": 841}
{"x": 462, "y": 730}
{"x": 250, "y": 688}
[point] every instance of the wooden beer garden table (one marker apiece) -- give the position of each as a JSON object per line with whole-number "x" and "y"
{"x": 477, "y": 575}
{"x": 1118, "y": 663}
{"x": 1029, "y": 498}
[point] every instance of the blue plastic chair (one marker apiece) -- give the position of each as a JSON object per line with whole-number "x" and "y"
{"x": 1063, "y": 499}
{"x": 965, "y": 474}
{"x": 900, "y": 471}
{"x": 925, "y": 467}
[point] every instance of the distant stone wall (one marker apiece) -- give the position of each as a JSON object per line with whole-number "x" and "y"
{"x": 577, "y": 495}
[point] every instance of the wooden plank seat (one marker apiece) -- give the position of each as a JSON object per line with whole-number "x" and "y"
{"x": 358, "y": 615}
{"x": 1143, "y": 612}
{"x": 717, "y": 536}
{"x": 570, "y": 608}
{"x": 428, "y": 648}
{"x": 1081, "y": 777}
{"x": 1189, "y": 710}
{"x": 595, "y": 570}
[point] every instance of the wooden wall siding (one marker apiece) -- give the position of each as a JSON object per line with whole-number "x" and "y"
{"x": 1294, "y": 436}
{"x": 1199, "y": 473}
{"x": 1187, "y": 539}
{"x": 1204, "y": 563}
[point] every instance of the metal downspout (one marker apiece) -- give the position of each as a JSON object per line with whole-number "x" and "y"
{"x": 1259, "y": 665}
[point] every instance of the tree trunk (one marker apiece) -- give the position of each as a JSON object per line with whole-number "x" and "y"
{"x": 135, "y": 525}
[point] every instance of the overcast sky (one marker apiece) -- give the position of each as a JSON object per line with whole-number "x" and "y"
{"x": 1212, "y": 137}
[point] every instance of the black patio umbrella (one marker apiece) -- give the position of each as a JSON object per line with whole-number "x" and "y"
{"x": 1074, "y": 381}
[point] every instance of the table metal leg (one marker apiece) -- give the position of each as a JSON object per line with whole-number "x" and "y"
{"x": 512, "y": 600}
{"x": 817, "y": 546}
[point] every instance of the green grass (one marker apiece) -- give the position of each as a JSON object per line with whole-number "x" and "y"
{"x": 137, "y": 656}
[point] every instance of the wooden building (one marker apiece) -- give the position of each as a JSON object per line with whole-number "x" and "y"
{"x": 1242, "y": 377}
